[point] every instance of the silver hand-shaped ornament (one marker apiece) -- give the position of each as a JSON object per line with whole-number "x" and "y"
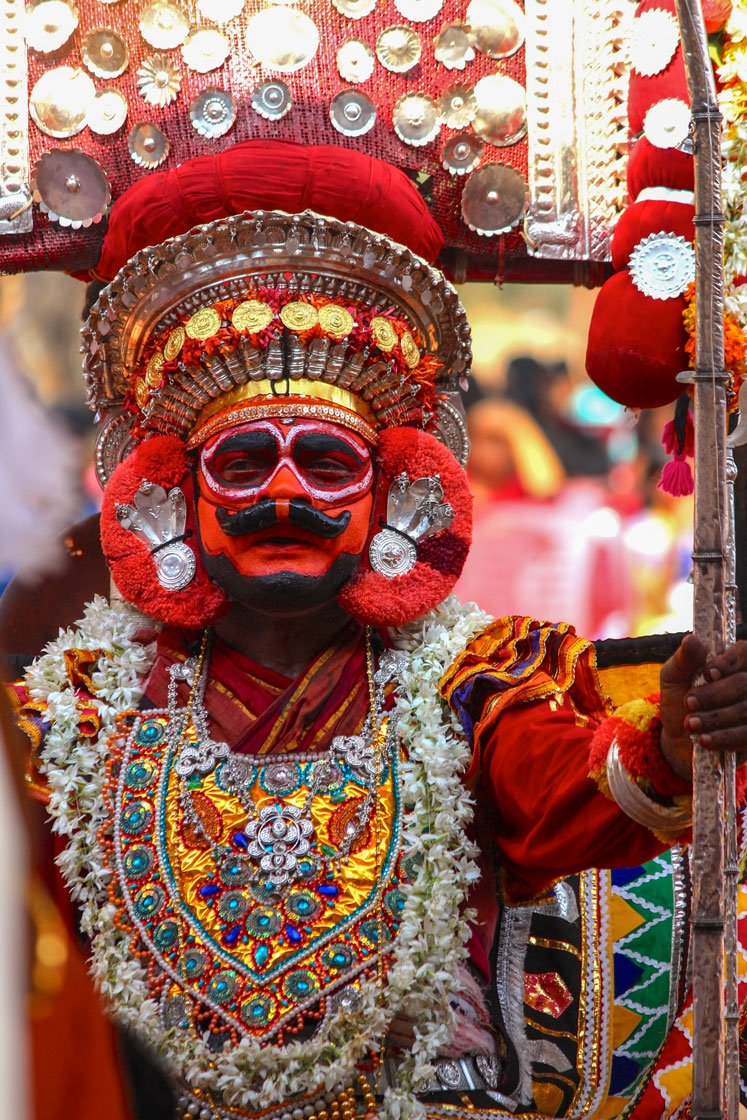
{"x": 414, "y": 511}
{"x": 159, "y": 520}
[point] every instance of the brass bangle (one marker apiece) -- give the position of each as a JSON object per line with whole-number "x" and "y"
{"x": 668, "y": 821}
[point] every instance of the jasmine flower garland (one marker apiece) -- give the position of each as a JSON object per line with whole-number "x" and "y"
{"x": 431, "y": 943}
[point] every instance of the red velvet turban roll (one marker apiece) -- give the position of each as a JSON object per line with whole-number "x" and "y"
{"x": 644, "y": 218}
{"x": 269, "y": 175}
{"x": 649, "y": 166}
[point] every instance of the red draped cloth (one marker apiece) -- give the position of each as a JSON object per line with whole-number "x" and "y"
{"x": 258, "y": 711}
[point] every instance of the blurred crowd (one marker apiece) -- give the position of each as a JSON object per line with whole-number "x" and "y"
{"x": 569, "y": 521}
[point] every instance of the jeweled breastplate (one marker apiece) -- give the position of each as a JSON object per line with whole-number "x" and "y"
{"x": 259, "y": 889}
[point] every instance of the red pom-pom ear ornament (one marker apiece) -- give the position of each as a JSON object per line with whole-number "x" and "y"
{"x": 148, "y": 537}
{"x": 415, "y": 471}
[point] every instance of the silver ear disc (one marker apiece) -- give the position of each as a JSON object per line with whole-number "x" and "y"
{"x": 175, "y": 566}
{"x": 392, "y": 554}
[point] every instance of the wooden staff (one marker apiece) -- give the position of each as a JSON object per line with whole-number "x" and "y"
{"x": 715, "y": 1050}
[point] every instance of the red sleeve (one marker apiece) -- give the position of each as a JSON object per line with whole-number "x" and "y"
{"x": 550, "y": 818}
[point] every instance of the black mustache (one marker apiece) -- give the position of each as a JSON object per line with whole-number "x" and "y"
{"x": 264, "y": 514}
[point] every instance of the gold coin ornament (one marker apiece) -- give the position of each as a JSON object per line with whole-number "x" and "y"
{"x": 104, "y": 53}
{"x": 252, "y": 316}
{"x": 159, "y": 81}
{"x": 205, "y": 49}
{"x": 163, "y": 25}
{"x": 501, "y": 113}
{"x": 355, "y": 61}
{"x": 148, "y": 146}
{"x": 299, "y": 316}
{"x": 108, "y": 112}
{"x": 142, "y": 393}
{"x": 498, "y": 26}
{"x": 398, "y": 49}
{"x": 153, "y": 373}
{"x": 384, "y": 334}
{"x": 336, "y": 321}
{"x": 60, "y": 100}
{"x": 49, "y": 25}
{"x": 282, "y": 39}
{"x": 174, "y": 344}
{"x": 409, "y": 349}
{"x": 203, "y": 324}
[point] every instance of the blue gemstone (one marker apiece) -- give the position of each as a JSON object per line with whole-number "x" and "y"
{"x": 293, "y": 935}
{"x": 210, "y": 890}
{"x": 261, "y": 955}
{"x": 231, "y": 936}
{"x": 241, "y": 840}
{"x": 328, "y": 890}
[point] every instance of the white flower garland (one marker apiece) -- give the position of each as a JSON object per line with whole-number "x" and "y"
{"x": 434, "y": 929}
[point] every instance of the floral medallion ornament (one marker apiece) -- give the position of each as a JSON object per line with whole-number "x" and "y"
{"x": 220, "y": 11}
{"x": 213, "y": 113}
{"x": 205, "y": 49}
{"x": 158, "y": 81}
{"x": 494, "y": 199}
{"x": 59, "y": 101}
{"x": 148, "y": 146}
{"x": 416, "y": 119}
{"x": 252, "y": 316}
{"x": 272, "y": 100}
{"x": 454, "y": 46}
{"x": 654, "y": 38}
{"x": 71, "y": 188}
{"x": 49, "y": 24}
{"x": 458, "y": 106}
{"x": 461, "y": 153}
{"x": 398, "y": 49}
{"x": 104, "y": 53}
{"x": 282, "y": 38}
{"x": 419, "y": 11}
{"x": 355, "y": 61}
{"x": 163, "y": 25}
{"x": 354, "y": 9}
{"x": 352, "y": 112}
{"x": 335, "y": 321}
{"x": 662, "y": 265}
{"x": 667, "y": 123}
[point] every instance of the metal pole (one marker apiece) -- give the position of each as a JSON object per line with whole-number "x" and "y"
{"x": 711, "y": 1094}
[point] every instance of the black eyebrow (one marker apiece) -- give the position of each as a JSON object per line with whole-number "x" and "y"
{"x": 320, "y": 443}
{"x": 247, "y": 441}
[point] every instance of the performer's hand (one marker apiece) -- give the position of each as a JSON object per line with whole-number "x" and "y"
{"x": 715, "y": 711}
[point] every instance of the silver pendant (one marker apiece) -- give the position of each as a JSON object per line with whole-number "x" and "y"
{"x": 278, "y": 839}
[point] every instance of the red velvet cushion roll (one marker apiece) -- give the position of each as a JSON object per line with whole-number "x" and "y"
{"x": 645, "y": 92}
{"x": 649, "y": 166}
{"x": 643, "y": 218}
{"x": 269, "y": 175}
{"x": 636, "y": 345}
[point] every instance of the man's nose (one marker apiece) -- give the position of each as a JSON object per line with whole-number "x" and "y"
{"x": 284, "y": 487}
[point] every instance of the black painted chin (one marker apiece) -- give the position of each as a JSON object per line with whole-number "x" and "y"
{"x": 281, "y": 592}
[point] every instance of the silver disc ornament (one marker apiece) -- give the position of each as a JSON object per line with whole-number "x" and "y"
{"x": 175, "y": 565}
{"x": 392, "y": 554}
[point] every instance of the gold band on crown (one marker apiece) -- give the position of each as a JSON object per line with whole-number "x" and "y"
{"x": 303, "y": 398}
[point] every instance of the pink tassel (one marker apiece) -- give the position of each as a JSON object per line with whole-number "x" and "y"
{"x": 677, "y": 478}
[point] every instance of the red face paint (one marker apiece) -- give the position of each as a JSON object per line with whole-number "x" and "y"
{"x": 281, "y": 471}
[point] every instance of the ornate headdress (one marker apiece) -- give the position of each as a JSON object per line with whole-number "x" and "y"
{"x": 265, "y": 312}
{"x": 248, "y": 313}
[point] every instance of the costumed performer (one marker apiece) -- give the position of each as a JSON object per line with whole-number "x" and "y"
{"x": 285, "y": 777}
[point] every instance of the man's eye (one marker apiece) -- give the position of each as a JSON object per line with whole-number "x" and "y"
{"x": 241, "y": 468}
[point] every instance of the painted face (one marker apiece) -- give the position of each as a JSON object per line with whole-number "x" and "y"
{"x": 289, "y": 498}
